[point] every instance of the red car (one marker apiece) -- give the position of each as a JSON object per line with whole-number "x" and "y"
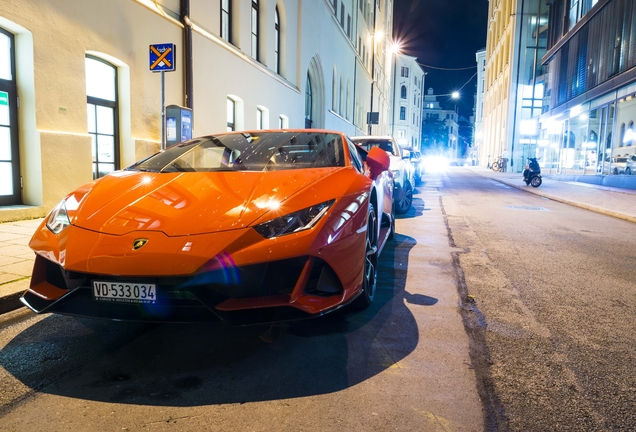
{"x": 243, "y": 227}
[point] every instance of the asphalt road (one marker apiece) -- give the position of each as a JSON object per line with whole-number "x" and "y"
{"x": 402, "y": 364}
{"x": 554, "y": 286}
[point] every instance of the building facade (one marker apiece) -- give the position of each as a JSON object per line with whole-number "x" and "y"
{"x": 446, "y": 143}
{"x": 88, "y": 103}
{"x": 407, "y": 102}
{"x": 478, "y": 110}
{"x": 587, "y": 127}
{"x": 514, "y": 80}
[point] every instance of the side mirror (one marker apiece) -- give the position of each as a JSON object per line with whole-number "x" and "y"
{"x": 378, "y": 161}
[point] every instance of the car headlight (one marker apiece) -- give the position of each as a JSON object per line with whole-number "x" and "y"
{"x": 58, "y": 219}
{"x": 396, "y": 175}
{"x": 294, "y": 222}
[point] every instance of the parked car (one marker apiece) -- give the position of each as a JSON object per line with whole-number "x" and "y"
{"x": 630, "y": 166}
{"x": 243, "y": 227}
{"x": 400, "y": 167}
{"x": 418, "y": 166}
{"x": 618, "y": 165}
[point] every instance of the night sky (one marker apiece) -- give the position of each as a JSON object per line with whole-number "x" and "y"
{"x": 444, "y": 34}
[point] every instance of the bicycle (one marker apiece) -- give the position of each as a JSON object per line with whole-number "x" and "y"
{"x": 499, "y": 164}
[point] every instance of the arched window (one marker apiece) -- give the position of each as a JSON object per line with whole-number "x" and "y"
{"x": 308, "y": 104}
{"x": 231, "y": 115}
{"x": 226, "y": 20}
{"x": 403, "y": 92}
{"x": 10, "y": 192}
{"x": 102, "y": 116}
{"x": 629, "y": 134}
{"x": 255, "y": 41}
{"x": 276, "y": 41}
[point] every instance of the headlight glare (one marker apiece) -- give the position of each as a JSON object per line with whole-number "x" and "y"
{"x": 294, "y": 222}
{"x": 58, "y": 219}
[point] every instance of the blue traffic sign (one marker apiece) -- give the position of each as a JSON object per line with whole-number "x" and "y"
{"x": 162, "y": 58}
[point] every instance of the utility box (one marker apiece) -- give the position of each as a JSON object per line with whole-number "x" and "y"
{"x": 178, "y": 124}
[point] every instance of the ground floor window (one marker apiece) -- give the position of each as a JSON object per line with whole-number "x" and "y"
{"x": 600, "y": 140}
{"x": 102, "y": 116}
{"x": 10, "y": 187}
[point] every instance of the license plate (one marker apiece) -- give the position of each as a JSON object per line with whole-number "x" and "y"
{"x": 126, "y": 292}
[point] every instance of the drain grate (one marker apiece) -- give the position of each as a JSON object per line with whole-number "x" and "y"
{"x": 514, "y": 207}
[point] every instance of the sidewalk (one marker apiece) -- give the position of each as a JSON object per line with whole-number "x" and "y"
{"x": 16, "y": 258}
{"x": 616, "y": 202}
{"x": 16, "y": 261}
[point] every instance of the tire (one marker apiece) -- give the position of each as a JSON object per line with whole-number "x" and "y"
{"x": 628, "y": 171}
{"x": 615, "y": 171}
{"x": 404, "y": 205}
{"x": 495, "y": 166}
{"x": 536, "y": 181}
{"x": 370, "y": 273}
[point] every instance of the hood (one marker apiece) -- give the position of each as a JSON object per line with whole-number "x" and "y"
{"x": 187, "y": 203}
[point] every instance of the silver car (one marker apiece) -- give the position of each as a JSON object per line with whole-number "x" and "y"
{"x": 630, "y": 166}
{"x": 400, "y": 167}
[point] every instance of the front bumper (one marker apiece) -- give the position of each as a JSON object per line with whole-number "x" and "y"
{"x": 277, "y": 291}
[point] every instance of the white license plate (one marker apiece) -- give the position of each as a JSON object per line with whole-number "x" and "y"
{"x": 126, "y": 292}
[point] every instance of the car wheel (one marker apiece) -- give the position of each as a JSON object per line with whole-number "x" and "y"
{"x": 536, "y": 181}
{"x": 370, "y": 275}
{"x": 615, "y": 171}
{"x": 628, "y": 171}
{"x": 404, "y": 205}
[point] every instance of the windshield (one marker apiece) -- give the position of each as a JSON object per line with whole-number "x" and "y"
{"x": 265, "y": 151}
{"x": 384, "y": 144}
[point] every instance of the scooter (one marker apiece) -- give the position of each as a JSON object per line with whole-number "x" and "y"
{"x": 532, "y": 173}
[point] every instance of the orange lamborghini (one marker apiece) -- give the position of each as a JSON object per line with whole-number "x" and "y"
{"x": 243, "y": 227}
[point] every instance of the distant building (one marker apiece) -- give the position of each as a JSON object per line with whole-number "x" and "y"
{"x": 406, "y": 101}
{"x": 89, "y": 104}
{"x": 588, "y": 124}
{"x": 433, "y": 112}
{"x": 514, "y": 80}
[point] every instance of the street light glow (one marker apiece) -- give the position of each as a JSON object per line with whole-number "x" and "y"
{"x": 395, "y": 48}
{"x": 455, "y": 95}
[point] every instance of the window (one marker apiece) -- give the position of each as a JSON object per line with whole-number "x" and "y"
{"x": 342, "y": 14}
{"x": 308, "y": 104}
{"x": 255, "y": 41}
{"x": 283, "y": 122}
{"x": 403, "y": 92}
{"x": 226, "y": 15}
{"x": 355, "y": 157}
{"x": 405, "y": 72}
{"x": 276, "y": 41}
{"x": 259, "y": 118}
{"x": 101, "y": 110}
{"x": 231, "y": 115}
{"x": 10, "y": 189}
{"x": 335, "y": 7}
{"x": 349, "y": 25}
{"x": 402, "y": 113}
{"x": 401, "y": 133}
{"x": 629, "y": 137}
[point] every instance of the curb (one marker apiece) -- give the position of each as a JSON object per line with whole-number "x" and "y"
{"x": 10, "y": 303}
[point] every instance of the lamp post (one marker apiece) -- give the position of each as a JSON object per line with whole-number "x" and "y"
{"x": 455, "y": 96}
